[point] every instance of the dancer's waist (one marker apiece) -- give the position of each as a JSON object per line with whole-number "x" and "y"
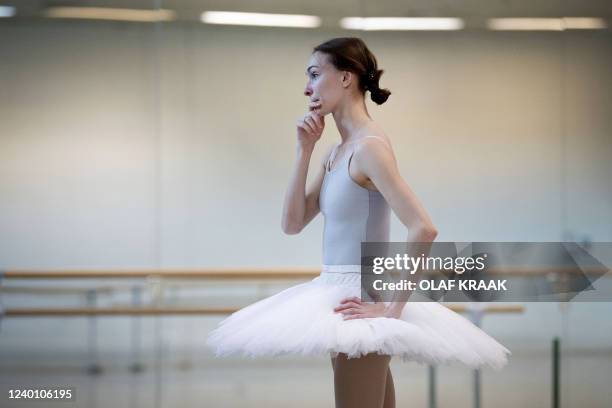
{"x": 340, "y": 274}
{"x": 343, "y": 268}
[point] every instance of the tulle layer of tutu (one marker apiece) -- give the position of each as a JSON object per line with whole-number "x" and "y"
{"x": 300, "y": 320}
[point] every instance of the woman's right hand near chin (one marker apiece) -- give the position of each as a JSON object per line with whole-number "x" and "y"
{"x": 310, "y": 127}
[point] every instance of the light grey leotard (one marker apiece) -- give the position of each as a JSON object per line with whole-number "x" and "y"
{"x": 352, "y": 214}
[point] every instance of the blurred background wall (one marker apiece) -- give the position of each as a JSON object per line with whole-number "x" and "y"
{"x": 127, "y": 145}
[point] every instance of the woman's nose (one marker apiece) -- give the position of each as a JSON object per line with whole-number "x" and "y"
{"x": 307, "y": 91}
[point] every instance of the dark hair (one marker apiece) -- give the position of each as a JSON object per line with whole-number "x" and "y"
{"x": 351, "y": 54}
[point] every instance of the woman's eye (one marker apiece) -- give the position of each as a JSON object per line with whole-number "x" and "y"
{"x": 314, "y": 75}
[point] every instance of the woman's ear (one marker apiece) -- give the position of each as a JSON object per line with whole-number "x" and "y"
{"x": 347, "y": 78}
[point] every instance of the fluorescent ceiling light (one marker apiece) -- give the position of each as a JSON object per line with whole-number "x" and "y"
{"x": 529, "y": 24}
{"x": 7, "y": 11}
{"x": 401, "y": 23}
{"x": 587, "y": 23}
{"x": 116, "y": 14}
{"x": 260, "y": 19}
{"x": 555, "y": 24}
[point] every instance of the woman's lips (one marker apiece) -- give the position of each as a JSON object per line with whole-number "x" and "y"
{"x": 315, "y": 106}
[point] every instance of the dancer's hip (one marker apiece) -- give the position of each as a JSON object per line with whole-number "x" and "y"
{"x": 340, "y": 274}
{"x": 340, "y": 268}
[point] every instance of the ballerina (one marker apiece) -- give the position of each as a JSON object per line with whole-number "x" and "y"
{"x": 357, "y": 185}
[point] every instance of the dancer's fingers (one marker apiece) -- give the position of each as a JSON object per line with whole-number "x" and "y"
{"x": 307, "y": 127}
{"x": 346, "y": 306}
{"x": 344, "y": 309}
{"x": 318, "y": 119}
{"x": 350, "y": 311}
{"x": 303, "y": 126}
{"x": 351, "y": 299}
{"x": 312, "y": 123}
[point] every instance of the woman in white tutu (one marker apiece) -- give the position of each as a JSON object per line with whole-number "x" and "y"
{"x": 356, "y": 187}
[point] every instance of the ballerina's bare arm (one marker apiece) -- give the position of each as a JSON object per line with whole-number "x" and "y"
{"x": 314, "y": 190}
{"x": 375, "y": 160}
{"x": 308, "y": 131}
{"x": 311, "y": 208}
{"x": 311, "y": 199}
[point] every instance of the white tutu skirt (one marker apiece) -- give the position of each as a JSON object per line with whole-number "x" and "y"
{"x": 301, "y": 320}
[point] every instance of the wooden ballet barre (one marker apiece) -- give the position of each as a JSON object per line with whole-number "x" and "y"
{"x": 127, "y": 311}
{"x": 223, "y": 274}
{"x": 489, "y": 309}
{"x": 251, "y": 273}
{"x": 123, "y": 311}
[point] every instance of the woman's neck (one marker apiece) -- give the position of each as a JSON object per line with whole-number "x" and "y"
{"x": 351, "y": 118}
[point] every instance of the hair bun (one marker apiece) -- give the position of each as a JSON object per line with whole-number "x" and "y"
{"x": 379, "y": 96}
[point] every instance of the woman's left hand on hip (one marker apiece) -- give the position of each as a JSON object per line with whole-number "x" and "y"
{"x": 354, "y": 308}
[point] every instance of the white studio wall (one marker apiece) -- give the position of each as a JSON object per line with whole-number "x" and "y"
{"x": 125, "y": 145}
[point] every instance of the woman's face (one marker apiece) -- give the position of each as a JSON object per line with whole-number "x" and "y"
{"x": 324, "y": 83}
